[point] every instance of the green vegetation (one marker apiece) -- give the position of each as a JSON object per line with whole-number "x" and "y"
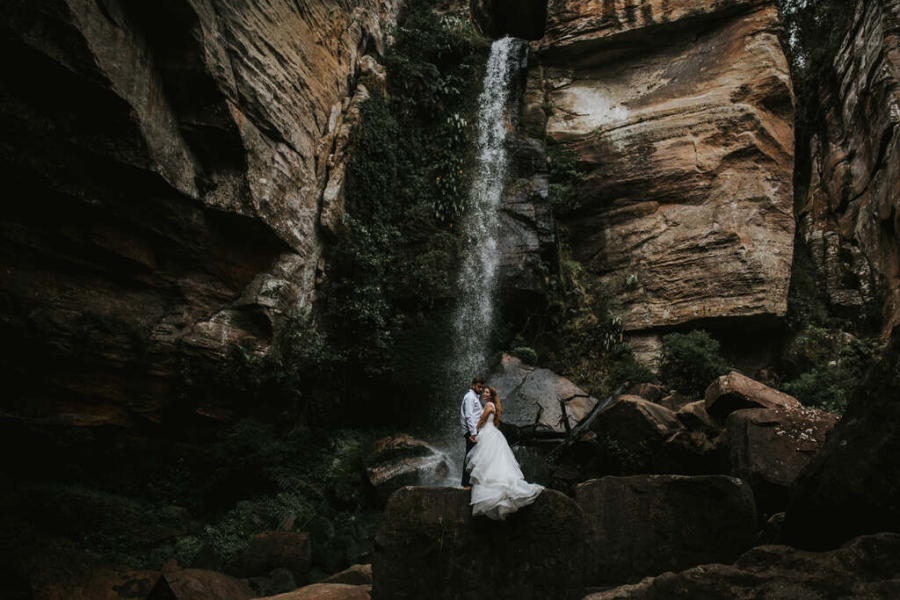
{"x": 407, "y": 185}
{"x": 577, "y": 332}
{"x": 565, "y": 173}
{"x": 690, "y": 362}
{"x": 838, "y": 365}
{"x": 815, "y": 30}
{"x": 832, "y": 352}
{"x": 525, "y": 354}
{"x": 155, "y": 507}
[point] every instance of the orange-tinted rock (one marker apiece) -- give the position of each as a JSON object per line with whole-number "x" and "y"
{"x": 99, "y": 584}
{"x": 327, "y": 591}
{"x": 197, "y": 584}
{"x": 682, "y": 115}
{"x": 171, "y": 168}
{"x": 734, "y": 392}
{"x": 355, "y": 575}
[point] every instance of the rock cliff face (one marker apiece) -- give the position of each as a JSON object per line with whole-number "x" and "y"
{"x": 166, "y": 168}
{"x": 681, "y": 114}
{"x": 850, "y": 218}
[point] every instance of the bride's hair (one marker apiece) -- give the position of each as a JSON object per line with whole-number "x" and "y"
{"x": 495, "y": 398}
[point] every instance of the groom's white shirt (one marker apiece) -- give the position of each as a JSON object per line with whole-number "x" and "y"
{"x": 470, "y": 413}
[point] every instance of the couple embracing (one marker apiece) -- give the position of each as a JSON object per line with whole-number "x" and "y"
{"x": 490, "y": 469}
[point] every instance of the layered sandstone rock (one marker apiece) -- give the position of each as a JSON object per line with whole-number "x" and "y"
{"x": 850, "y": 218}
{"x": 166, "y": 168}
{"x": 682, "y": 116}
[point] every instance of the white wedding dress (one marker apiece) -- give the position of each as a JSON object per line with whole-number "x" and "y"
{"x": 498, "y": 486}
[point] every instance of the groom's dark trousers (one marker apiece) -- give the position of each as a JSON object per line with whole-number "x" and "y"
{"x": 469, "y": 445}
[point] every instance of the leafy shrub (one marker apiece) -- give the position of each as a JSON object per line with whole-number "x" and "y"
{"x": 621, "y": 365}
{"x": 690, "y": 362}
{"x": 525, "y": 354}
{"x": 830, "y": 383}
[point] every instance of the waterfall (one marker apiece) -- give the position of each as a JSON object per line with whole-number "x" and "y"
{"x": 474, "y": 319}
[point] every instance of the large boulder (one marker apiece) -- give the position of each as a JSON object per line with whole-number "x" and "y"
{"x": 108, "y": 583}
{"x": 355, "y": 575}
{"x": 648, "y": 524}
{"x": 630, "y": 436}
{"x": 769, "y": 448}
{"x": 197, "y": 584}
{"x": 681, "y": 115}
{"x": 428, "y": 545}
{"x": 734, "y": 391}
{"x": 865, "y": 568}
{"x": 853, "y": 483}
{"x": 326, "y": 591}
{"x": 274, "y": 550}
{"x": 631, "y": 432}
{"x": 400, "y": 460}
{"x": 538, "y": 401}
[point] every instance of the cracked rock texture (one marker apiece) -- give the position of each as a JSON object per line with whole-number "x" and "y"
{"x": 850, "y": 218}
{"x": 166, "y": 165}
{"x": 682, "y": 115}
{"x": 538, "y": 401}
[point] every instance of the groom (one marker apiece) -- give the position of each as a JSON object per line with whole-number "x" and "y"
{"x": 469, "y": 415}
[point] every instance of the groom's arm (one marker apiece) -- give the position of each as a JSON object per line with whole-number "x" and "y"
{"x": 471, "y": 421}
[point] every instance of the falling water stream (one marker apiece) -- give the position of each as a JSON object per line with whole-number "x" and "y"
{"x": 474, "y": 319}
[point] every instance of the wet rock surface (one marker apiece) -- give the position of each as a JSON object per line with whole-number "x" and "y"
{"x": 402, "y": 460}
{"x": 428, "y": 545}
{"x": 648, "y": 524}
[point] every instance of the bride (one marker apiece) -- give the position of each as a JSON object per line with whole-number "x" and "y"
{"x": 498, "y": 486}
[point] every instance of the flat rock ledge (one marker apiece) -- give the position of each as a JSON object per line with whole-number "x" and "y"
{"x": 428, "y": 545}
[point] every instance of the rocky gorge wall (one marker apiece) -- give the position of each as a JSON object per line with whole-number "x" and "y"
{"x": 681, "y": 117}
{"x": 849, "y": 215}
{"x": 172, "y": 172}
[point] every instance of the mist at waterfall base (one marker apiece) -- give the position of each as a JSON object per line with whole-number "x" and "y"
{"x": 473, "y": 318}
